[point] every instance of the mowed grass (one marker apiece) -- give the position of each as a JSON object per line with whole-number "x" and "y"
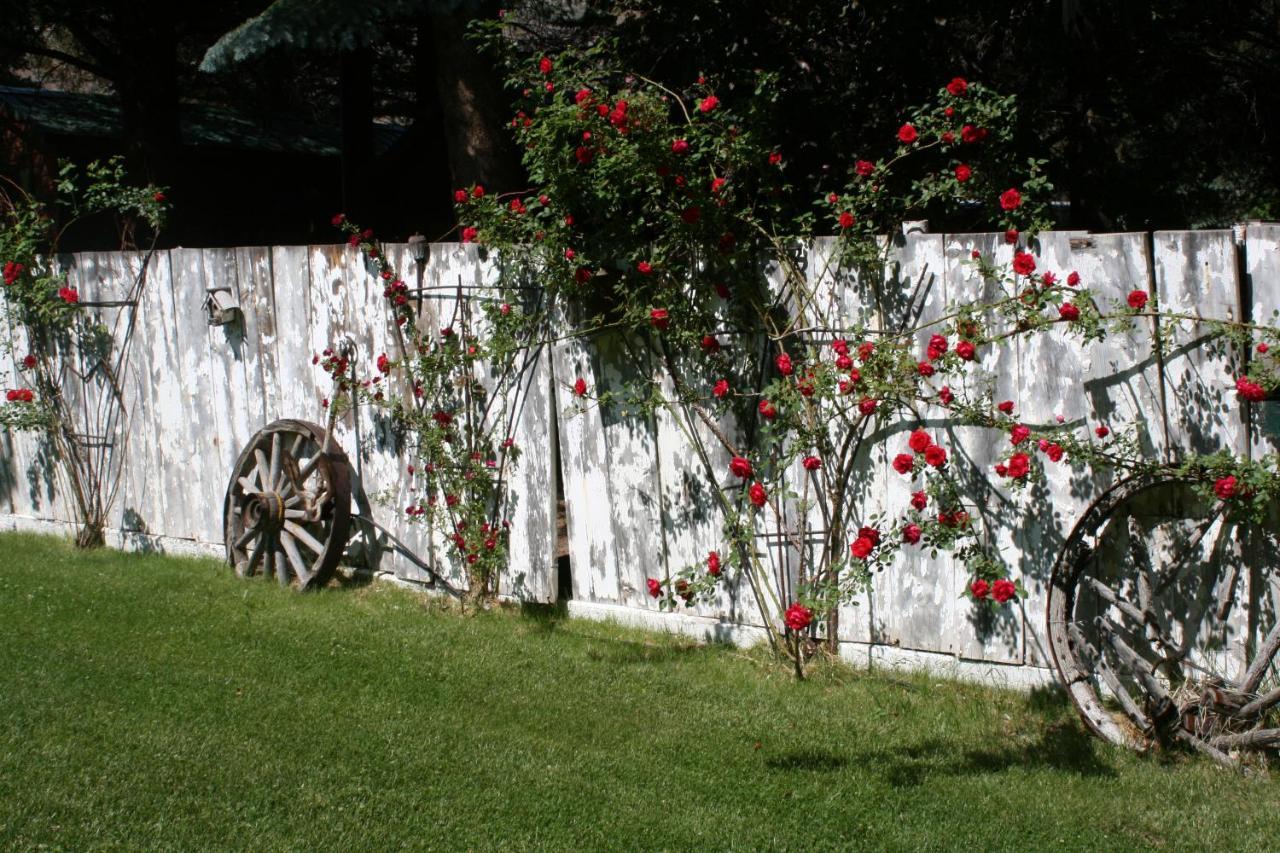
{"x": 162, "y": 703}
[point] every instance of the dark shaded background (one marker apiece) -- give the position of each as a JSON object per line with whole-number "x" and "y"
{"x": 1157, "y": 114}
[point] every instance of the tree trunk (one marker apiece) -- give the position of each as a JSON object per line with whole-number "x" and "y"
{"x": 474, "y": 110}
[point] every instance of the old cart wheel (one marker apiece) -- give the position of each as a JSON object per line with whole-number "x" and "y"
{"x": 1163, "y": 620}
{"x": 288, "y": 506}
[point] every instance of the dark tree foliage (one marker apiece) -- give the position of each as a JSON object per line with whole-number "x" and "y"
{"x": 1161, "y": 113}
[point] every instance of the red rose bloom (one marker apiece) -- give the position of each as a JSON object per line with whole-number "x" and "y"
{"x": 1102, "y": 431}
{"x": 903, "y": 463}
{"x": 919, "y": 441}
{"x": 1073, "y": 279}
{"x": 544, "y": 65}
{"x": 757, "y": 494}
{"x": 867, "y": 406}
{"x": 861, "y": 547}
{"x": 659, "y": 318}
{"x": 709, "y": 103}
{"x": 979, "y": 588}
{"x": 935, "y": 456}
{"x": 937, "y": 347}
{"x": 1068, "y": 312}
{"x": 919, "y": 500}
{"x": 29, "y": 362}
{"x": 767, "y": 409}
{"x": 1054, "y": 452}
{"x": 69, "y": 295}
{"x": 924, "y": 368}
{"x": 580, "y": 387}
{"x": 945, "y": 396}
{"x": 713, "y": 563}
{"x": 710, "y": 344}
{"x": 721, "y": 388}
{"x": 798, "y": 617}
{"x": 1226, "y": 487}
{"x": 655, "y": 587}
{"x": 843, "y": 362}
{"x": 811, "y": 463}
{"x": 907, "y": 134}
{"x": 911, "y": 534}
{"x": 864, "y": 168}
{"x": 1019, "y": 466}
{"x": 966, "y": 350}
{"x": 1003, "y": 590}
{"x": 644, "y": 268}
{"x": 1006, "y": 407}
{"x": 958, "y": 86}
{"x": 740, "y": 467}
{"x": 963, "y": 172}
{"x": 1010, "y": 199}
{"x": 1251, "y": 391}
{"x": 775, "y": 158}
{"x": 680, "y": 146}
{"x": 1024, "y": 263}
{"x": 1137, "y": 299}
{"x": 1263, "y": 349}
{"x": 469, "y": 234}
{"x": 846, "y": 220}
{"x": 783, "y": 361}
{"x": 1019, "y": 434}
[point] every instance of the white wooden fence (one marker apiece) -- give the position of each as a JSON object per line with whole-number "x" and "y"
{"x": 636, "y": 497}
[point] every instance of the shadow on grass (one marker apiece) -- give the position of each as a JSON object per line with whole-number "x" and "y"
{"x": 1063, "y": 746}
{"x": 812, "y": 760}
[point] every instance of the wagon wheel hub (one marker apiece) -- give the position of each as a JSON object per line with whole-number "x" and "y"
{"x": 265, "y": 512}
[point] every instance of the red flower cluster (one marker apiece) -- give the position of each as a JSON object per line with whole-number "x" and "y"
{"x": 1010, "y": 199}
{"x": 11, "y": 272}
{"x": 757, "y": 494}
{"x": 655, "y": 587}
{"x": 68, "y": 295}
{"x": 19, "y": 395}
{"x": 580, "y": 387}
{"x": 868, "y": 540}
{"x": 740, "y": 467}
{"x": 721, "y": 388}
{"x": 1017, "y": 468}
{"x": 29, "y": 362}
{"x": 958, "y": 86}
{"x": 1024, "y": 263}
{"x": 713, "y": 563}
{"x": 659, "y": 319}
{"x": 1249, "y": 390}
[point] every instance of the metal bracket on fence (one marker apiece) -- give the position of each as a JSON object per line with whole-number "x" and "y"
{"x": 1077, "y": 243}
{"x": 89, "y": 440}
{"x": 107, "y": 303}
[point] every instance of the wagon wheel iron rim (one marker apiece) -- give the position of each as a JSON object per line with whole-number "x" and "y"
{"x": 1119, "y": 633}
{"x": 287, "y": 510}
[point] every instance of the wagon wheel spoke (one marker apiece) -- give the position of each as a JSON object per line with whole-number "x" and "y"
{"x": 295, "y": 559}
{"x": 273, "y": 474}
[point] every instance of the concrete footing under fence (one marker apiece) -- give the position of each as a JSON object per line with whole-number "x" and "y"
{"x": 701, "y": 628}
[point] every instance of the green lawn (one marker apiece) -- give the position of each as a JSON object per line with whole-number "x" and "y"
{"x": 158, "y": 702}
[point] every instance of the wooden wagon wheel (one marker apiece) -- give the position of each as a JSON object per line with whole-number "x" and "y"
{"x": 288, "y": 505}
{"x": 1163, "y": 621}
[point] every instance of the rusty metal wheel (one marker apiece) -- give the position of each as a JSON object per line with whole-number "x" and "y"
{"x": 1163, "y": 624}
{"x": 287, "y": 511}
